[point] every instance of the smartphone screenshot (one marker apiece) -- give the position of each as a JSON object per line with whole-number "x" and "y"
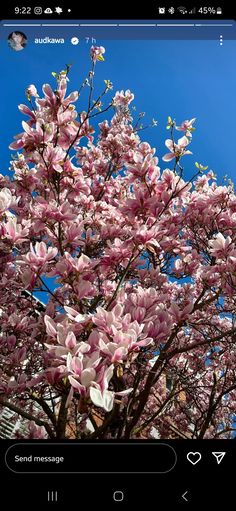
{"x": 117, "y": 256}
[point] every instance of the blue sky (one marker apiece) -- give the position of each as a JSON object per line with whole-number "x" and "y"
{"x": 183, "y": 79}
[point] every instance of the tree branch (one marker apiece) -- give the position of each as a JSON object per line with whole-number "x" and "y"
{"x": 28, "y": 416}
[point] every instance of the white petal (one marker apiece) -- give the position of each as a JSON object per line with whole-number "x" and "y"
{"x": 50, "y": 326}
{"x": 87, "y": 376}
{"x": 124, "y": 392}
{"x": 108, "y": 400}
{"x": 108, "y": 375}
{"x": 75, "y": 384}
{"x": 96, "y": 397}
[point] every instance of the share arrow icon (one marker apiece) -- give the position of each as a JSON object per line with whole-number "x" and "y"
{"x": 219, "y": 456}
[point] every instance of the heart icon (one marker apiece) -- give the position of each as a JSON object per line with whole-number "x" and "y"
{"x": 194, "y": 457}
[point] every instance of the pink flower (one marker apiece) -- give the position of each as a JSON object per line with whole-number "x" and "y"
{"x": 146, "y": 236}
{"x": 74, "y": 315}
{"x": 159, "y": 327}
{"x": 82, "y": 370}
{"x": 5, "y": 199}
{"x": 178, "y": 314}
{"x": 62, "y": 88}
{"x": 79, "y": 264}
{"x": 33, "y": 137}
{"x": 107, "y": 319}
{"x": 29, "y": 278}
{"x": 39, "y": 255}
{"x": 26, "y": 110}
{"x": 119, "y": 336}
{"x": 15, "y": 232}
{"x": 115, "y": 352}
{"x": 55, "y": 374}
{"x": 84, "y": 289}
{"x": 67, "y": 343}
{"x": 99, "y": 393}
{"x": 187, "y": 126}
{"x": 176, "y": 150}
{"x": 31, "y": 91}
{"x": 85, "y": 129}
{"x": 96, "y": 53}
{"x": 54, "y": 157}
{"x": 144, "y": 166}
{"x": 220, "y": 246}
{"x": 122, "y": 99}
{"x": 51, "y": 327}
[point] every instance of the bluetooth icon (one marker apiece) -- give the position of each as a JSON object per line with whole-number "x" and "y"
{"x": 58, "y": 10}
{"x": 171, "y": 10}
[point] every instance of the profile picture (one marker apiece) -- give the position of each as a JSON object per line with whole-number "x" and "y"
{"x": 17, "y": 41}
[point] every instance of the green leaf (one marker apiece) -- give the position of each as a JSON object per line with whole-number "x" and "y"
{"x": 200, "y": 166}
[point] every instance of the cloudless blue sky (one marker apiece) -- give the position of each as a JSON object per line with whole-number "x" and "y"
{"x": 183, "y": 79}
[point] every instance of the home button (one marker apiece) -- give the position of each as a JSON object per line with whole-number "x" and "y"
{"x": 118, "y": 496}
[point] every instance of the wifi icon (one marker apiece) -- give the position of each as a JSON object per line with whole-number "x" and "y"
{"x": 182, "y": 10}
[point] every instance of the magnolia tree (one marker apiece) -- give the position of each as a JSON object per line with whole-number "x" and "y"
{"x": 138, "y": 335}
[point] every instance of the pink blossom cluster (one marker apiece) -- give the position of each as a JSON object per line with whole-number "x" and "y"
{"x": 135, "y": 267}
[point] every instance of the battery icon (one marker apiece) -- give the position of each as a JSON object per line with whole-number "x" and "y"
{"x": 218, "y": 10}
